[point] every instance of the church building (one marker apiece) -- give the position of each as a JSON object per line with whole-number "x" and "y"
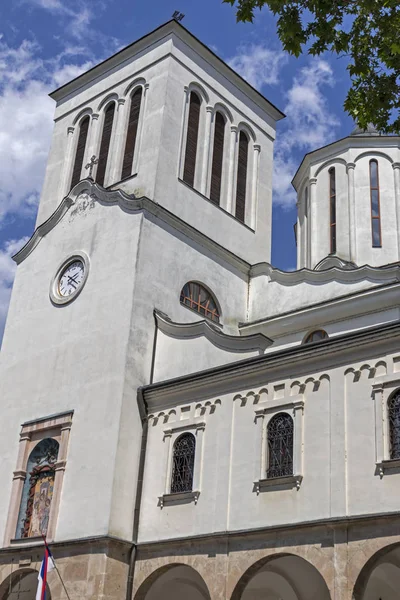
{"x": 180, "y": 419}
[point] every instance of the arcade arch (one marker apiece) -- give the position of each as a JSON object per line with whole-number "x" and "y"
{"x": 281, "y": 577}
{"x": 173, "y": 582}
{"x": 21, "y": 585}
{"x": 379, "y": 579}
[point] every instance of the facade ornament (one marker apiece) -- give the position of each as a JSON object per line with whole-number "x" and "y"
{"x": 91, "y": 164}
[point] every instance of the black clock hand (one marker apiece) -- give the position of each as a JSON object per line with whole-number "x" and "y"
{"x": 72, "y": 282}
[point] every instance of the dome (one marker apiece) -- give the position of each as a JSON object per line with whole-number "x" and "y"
{"x": 371, "y": 130}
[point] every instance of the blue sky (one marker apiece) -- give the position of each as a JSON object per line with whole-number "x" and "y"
{"x": 44, "y": 43}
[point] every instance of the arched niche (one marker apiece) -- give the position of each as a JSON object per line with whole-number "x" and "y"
{"x": 21, "y": 585}
{"x": 379, "y": 579}
{"x": 281, "y": 576}
{"x": 173, "y": 582}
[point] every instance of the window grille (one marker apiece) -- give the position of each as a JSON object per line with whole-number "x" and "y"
{"x": 183, "y": 463}
{"x": 332, "y": 208}
{"x": 316, "y": 336}
{"x": 375, "y": 204}
{"x": 241, "y": 181}
{"x": 191, "y": 139}
{"x": 394, "y": 425}
{"x": 280, "y": 446}
{"x": 105, "y": 143}
{"x": 131, "y": 135}
{"x": 80, "y": 151}
{"x": 196, "y": 297}
{"x": 217, "y": 160}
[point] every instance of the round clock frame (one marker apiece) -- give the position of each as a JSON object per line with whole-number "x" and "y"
{"x": 55, "y": 296}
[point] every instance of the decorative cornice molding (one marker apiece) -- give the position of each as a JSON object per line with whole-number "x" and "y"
{"x": 231, "y": 343}
{"x": 377, "y": 274}
{"x": 130, "y": 204}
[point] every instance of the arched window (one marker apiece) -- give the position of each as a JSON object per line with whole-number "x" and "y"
{"x": 37, "y": 494}
{"x": 332, "y": 208}
{"x": 394, "y": 424}
{"x": 375, "y": 204}
{"x": 191, "y": 139}
{"x": 198, "y": 298}
{"x": 131, "y": 135}
{"x": 218, "y": 157}
{"x": 241, "y": 182}
{"x": 280, "y": 446}
{"x": 105, "y": 143}
{"x": 22, "y": 585}
{"x": 316, "y": 336}
{"x": 183, "y": 463}
{"x": 80, "y": 151}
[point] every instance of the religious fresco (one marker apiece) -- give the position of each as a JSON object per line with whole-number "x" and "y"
{"x": 38, "y": 489}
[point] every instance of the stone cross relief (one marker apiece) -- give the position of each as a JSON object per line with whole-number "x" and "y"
{"x": 91, "y": 164}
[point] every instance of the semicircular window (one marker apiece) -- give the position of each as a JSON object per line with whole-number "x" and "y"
{"x": 199, "y": 299}
{"x": 316, "y": 336}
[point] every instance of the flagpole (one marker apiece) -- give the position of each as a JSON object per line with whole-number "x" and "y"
{"x": 56, "y": 568}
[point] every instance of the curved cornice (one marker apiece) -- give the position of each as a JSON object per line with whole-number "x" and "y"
{"x": 379, "y": 274}
{"x": 85, "y": 186}
{"x": 232, "y": 343}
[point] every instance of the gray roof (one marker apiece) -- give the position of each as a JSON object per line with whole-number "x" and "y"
{"x": 371, "y": 130}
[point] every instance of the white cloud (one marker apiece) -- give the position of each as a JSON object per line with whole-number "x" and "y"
{"x": 309, "y": 125}
{"x": 7, "y": 272}
{"x": 258, "y": 64}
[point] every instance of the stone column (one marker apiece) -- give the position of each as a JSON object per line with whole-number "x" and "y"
{"x": 298, "y": 410}
{"x": 168, "y": 466}
{"x": 58, "y": 479}
{"x": 231, "y": 170}
{"x": 259, "y": 446}
{"x": 299, "y": 234}
{"x": 19, "y": 477}
{"x": 396, "y": 173}
{"x": 93, "y": 145}
{"x": 117, "y": 152}
{"x": 142, "y": 116}
{"x": 206, "y": 150}
{"x": 352, "y": 212}
{"x": 313, "y": 229}
{"x": 254, "y": 185}
{"x": 68, "y": 163}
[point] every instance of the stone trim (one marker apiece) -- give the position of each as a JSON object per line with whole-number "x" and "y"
{"x": 32, "y": 432}
{"x": 278, "y": 482}
{"x": 191, "y": 496}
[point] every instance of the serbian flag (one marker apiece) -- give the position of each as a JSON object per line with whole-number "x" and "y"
{"x": 46, "y": 566}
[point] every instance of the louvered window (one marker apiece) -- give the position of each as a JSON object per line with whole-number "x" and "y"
{"x": 183, "y": 463}
{"x": 394, "y": 424}
{"x": 217, "y": 161}
{"x": 332, "y": 208}
{"x": 80, "y": 151}
{"x": 131, "y": 136}
{"x": 196, "y": 297}
{"x": 192, "y": 139}
{"x": 375, "y": 204}
{"x": 242, "y": 176}
{"x": 280, "y": 446}
{"x": 105, "y": 143}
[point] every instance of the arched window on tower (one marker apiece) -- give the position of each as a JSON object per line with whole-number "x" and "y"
{"x": 316, "y": 336}
{"x": 183, "y": 463}
{"x": 199, "y": 299}
{"x": 332, "y": 209}
{"x": 192, "y": 136}
{"x": 241, "y": 181}
{"x": 37, "y": 493}
{"x": 280, "y": 446}
{"x": 394, "y": 424}
{"x": 375, "y": 204}
{"x": 218, "y": 158}
{"x": 80, "y": 151}
{"x": 131, "y": 136}
{"x": 105, "y": 143}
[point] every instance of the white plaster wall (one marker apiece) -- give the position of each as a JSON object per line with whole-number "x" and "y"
{"x": 339, "y": 456}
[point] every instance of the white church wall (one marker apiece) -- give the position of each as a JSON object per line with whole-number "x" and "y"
{"x": 73, "y": 357}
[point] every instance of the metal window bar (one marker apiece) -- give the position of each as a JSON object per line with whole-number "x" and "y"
{"x": 199, "y": 299}
{"x": 280, "y": 446}
{"x": 394, "y": 425}
{"x": 183, "y": 464}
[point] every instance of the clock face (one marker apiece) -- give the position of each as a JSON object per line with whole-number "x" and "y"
{"x": 71, "y": 278}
